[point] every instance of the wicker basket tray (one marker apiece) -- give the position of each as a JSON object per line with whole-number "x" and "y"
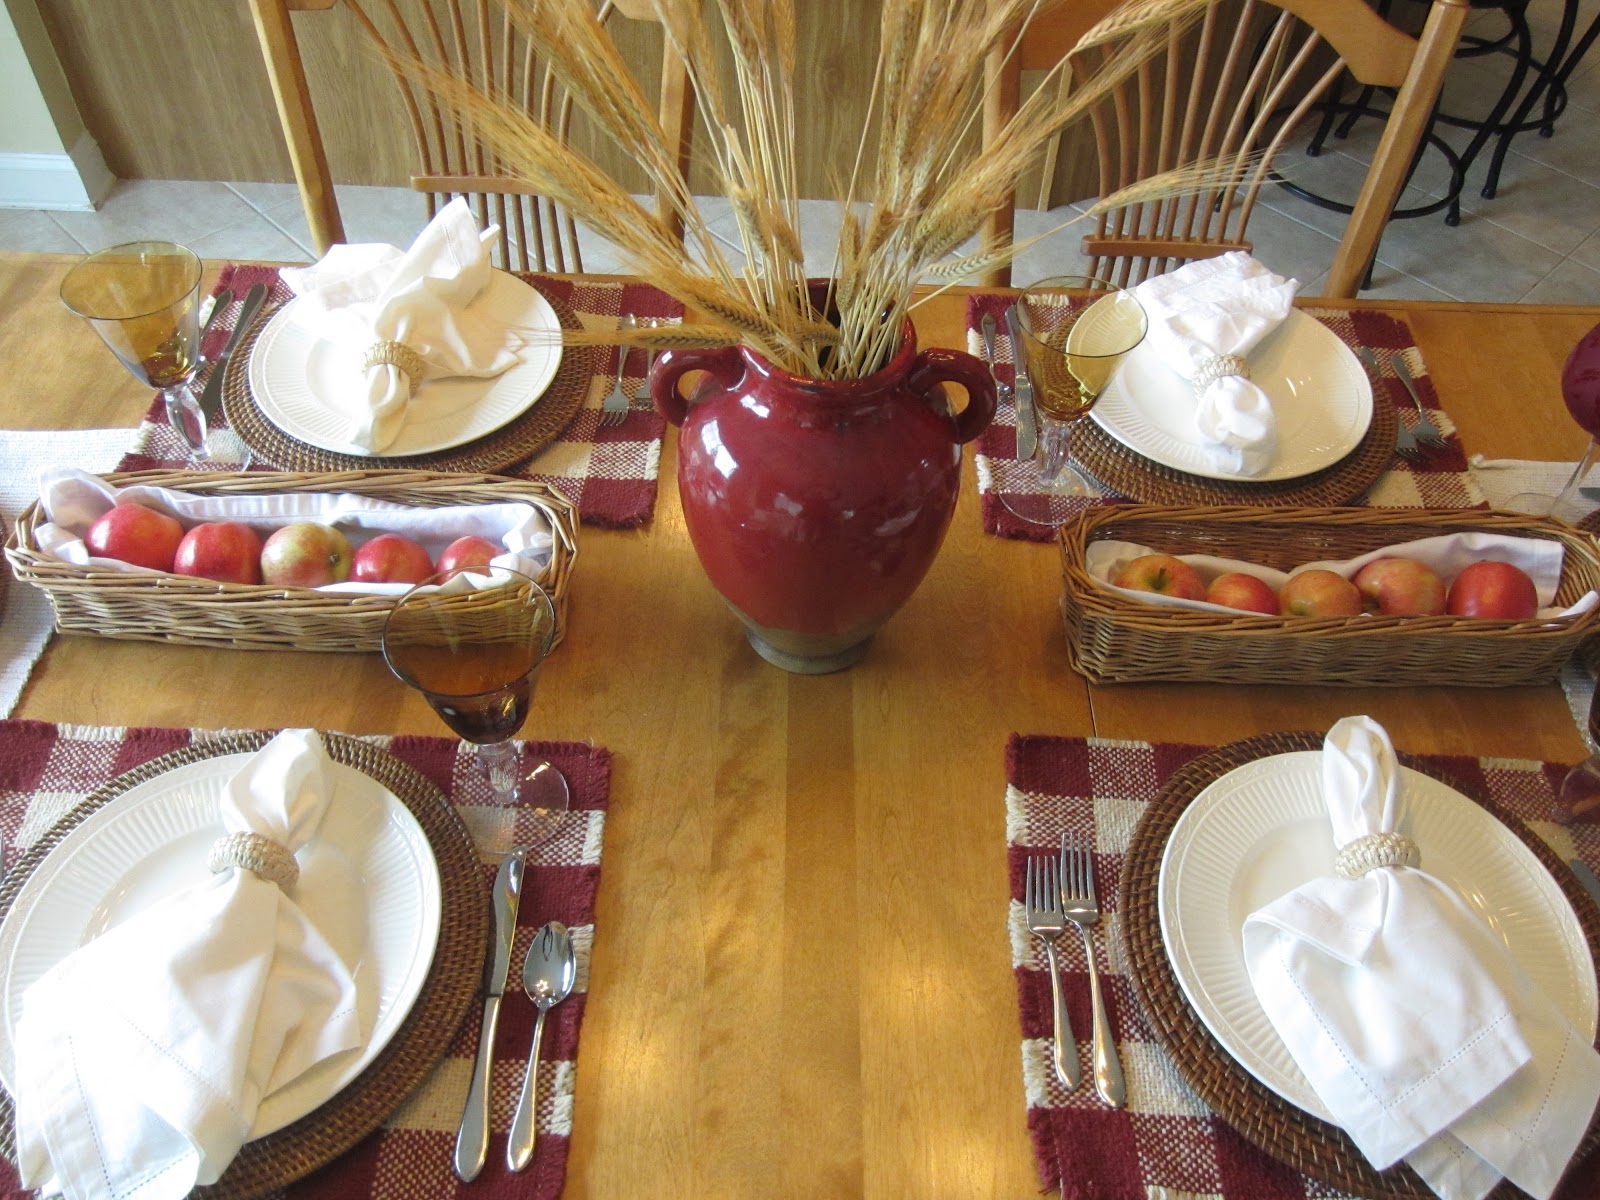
{"x": 1116, "y": 640}
{"x": 200, "y": 612}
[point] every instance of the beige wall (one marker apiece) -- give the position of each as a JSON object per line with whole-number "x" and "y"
{"x": 37, "y": 113}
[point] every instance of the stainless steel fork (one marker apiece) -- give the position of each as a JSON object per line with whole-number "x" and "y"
{"x": 642, "y": 392}
{"x": 1079, "y": 905}
{"x": 1428, "y": 434}
{"x": 1047, "y": 922}
{"x": 614, "y": 410}
{"x": 1405, "y": 442}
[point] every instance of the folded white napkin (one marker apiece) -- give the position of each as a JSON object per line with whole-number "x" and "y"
{"x": 1408, "y": 1016}
{"x": 371, "y": 295}
{"x": 143, "y": 1056}
{"x": 1205, "y": 318}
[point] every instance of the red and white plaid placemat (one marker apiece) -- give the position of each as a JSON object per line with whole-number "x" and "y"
{"x": 45, "y": 770}
{"x": 609, "y": 473}
{"x": 1166, "y": 1142}
{"x": 1443, "y": 481}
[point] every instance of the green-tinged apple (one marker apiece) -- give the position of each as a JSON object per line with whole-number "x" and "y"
{"x": 1235, "y": 589}
{"x": 1493, "y": 589}
{"x": 135, "y": 534}
{"x": 306, "y": 554}
{"x": 390, "y": 558}
{"x": 222, "y": 550}
{"x": 1161, "y": 573}
{"x": 1400, "y": 587}
{"x": 1319, "y": 593}
{"x": 469, "y": 551}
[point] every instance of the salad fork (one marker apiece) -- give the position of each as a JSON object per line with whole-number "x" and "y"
{"x": 642, "y": 392}
{"x": 1047, "y": 922}
{"x": 1079, "y": 904}
{"x": 1427, "y": 433}
{"x": 614, "y": 410}
{"x": 1405, "y": 442}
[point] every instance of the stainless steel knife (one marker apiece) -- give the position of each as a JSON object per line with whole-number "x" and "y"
{"x": 472, "y": 1142}
{"x": 211, "y": 397}
{"x": 1022, "y": 391}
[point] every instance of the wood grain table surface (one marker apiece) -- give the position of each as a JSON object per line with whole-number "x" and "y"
{"x": 801, "y": 980}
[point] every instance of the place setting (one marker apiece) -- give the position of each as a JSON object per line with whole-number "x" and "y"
{"x": 316, "y": 369}
{"x": 1224, "y": 394}
{"x": 295, "y": 924}
{"x": 1377, "y": 969}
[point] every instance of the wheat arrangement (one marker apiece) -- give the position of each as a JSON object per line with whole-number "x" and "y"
{"x": 930, "y": 187}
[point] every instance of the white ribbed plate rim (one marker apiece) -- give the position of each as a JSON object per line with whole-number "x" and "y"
{"x": 1262, "y": 829}
{"x": 369, "y": 880}
{"x": 295, "y": 372}
{"x": 1321, "y": 398}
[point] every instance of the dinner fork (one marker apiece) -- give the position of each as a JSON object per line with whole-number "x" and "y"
{"x": 614, "y": 410}
{"x": 642, "y": 392}
{"x": 1405, "y": 443}
{"x": 1427, "y": 433}
{"x": 1047, "y": 922}
{"x": 1079, "y": 905}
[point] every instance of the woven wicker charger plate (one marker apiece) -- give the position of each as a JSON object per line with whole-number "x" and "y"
{"x": 1285, "y": 1131}
{"x": 513, "y": 442}
{"x": 1131, "y": 474}
{"x": 422, "y": 1039}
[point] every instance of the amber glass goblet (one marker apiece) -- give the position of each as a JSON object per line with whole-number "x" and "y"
{"x": 143, "y": 299}
{"x": 471, "y": 640}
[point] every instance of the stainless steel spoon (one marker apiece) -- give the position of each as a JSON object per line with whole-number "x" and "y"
{"x": 548, "y": 974}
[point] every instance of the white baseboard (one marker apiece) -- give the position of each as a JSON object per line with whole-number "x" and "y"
{"x": 75, "y": 182}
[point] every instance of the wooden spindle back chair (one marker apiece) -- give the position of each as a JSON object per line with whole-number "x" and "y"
{"x": 476, "y": 41}
{"x": 1231, "y": 86}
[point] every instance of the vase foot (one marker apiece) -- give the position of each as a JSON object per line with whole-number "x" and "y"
{"x": 807, "y": 653}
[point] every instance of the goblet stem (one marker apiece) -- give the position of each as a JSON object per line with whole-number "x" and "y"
{"x": 1569, "y": 505}
{"x": 1054, "y": 458}
{"x": 500, "y": 763}
{"x": 184, "y": 415}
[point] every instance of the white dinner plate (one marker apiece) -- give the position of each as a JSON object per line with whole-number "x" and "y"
{"x": 296, "y": 373}
{"x": 1321, "y": 398}
{"x": 369, "y": 880}
{"x": 1262, "y": 829}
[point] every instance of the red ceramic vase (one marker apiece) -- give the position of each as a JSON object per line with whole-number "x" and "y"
{"x": 817, "y": 506}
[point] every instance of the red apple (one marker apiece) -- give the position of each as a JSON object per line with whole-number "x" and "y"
{"x": 469, "y": 551}
{"x": 1401, "y": 587}
{"x": 390, "y": 558}
{"x": 222, "y": 550}
{"x": 1235, "y": 589}
{"x": 1161, "y": 573}
{"x": 305, "y": 554}
{"x": 1319, "y": 593}
{"x": 1493, "y": 589}
{"x": 135, "y": 534}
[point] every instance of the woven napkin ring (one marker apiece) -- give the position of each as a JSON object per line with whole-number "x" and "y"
{"x": 1356, "y": 858}
{"x": 259, "y": 855}
{"x": 1218, "y": 366}
{"x": 394, "y": 354}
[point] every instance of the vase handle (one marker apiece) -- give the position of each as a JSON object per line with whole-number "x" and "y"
{"x": 934, "y": 367}
{"x": 722, "y": 362}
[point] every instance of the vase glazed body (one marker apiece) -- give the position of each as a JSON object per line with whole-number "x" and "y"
{"x": 817, "y": 506}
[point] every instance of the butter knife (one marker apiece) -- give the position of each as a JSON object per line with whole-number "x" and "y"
{"x": 211, "y": 397}
{"x": 472, "y": 1142}
{"x": 1022, "y": 391}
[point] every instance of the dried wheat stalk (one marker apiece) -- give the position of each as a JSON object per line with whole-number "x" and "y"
{"x": 930, "y": 190}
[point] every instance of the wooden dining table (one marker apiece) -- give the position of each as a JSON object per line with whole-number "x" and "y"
{"x": 801, "y": 982}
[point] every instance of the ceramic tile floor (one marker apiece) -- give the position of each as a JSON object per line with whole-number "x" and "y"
{"x": 1537, "y": 241}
